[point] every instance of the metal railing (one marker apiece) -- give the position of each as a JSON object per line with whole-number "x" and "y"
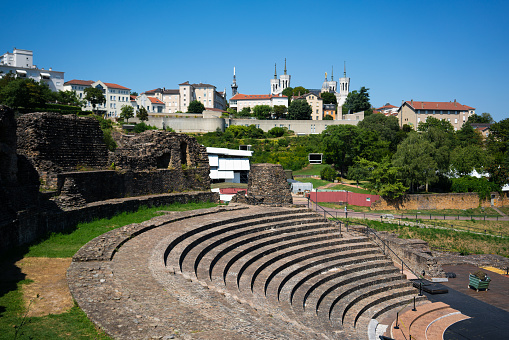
{"x": 325, "y": 212}
{"x": 368, "y": 231}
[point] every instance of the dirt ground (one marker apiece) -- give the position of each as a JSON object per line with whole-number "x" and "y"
{"x": 49, "y": 281}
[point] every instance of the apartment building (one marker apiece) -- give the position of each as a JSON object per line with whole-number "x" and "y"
{"x": 240, "y": 101}
{"x": 413, "y": 112}
{"x": 116, "y": 95}
{"x": 178, "y": 100}
{"x": 21, "y": 64}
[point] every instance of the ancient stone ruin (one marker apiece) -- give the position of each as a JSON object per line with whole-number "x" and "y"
{"x": 66, "y": 156}
{"x": 267, "y": 185}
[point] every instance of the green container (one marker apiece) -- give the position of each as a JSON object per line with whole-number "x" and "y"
{"x": 476, "y": 283}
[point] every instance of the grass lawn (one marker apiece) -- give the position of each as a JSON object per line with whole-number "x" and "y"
{"x": 72, "y": 324}
{"x": 310, "y": 170}
{"x": 505, "y": 210}
{"x": 316, "y": 182}
{"x": 462, "y": 242}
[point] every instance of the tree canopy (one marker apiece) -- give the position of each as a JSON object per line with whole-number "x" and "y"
{"x": 299, "y": 110}
{"x": 95, "y": 96}
{"x": 299, "y": 91}
{"x": 141, "y": 113}
{"x": 127, "y": 112}
{"x": 289, "y": 93}
{"x": 386, "y": 127}
{"x": 196, "y": 107}
{"x": 484, "y": 118}
{"x": 357, "y": 101}
{"x": 24, "y": 93}
{"x": 328, "y": 98}
{"x": 262, "y": 111}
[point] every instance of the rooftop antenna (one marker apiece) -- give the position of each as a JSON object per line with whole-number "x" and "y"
{"x": 275, "y": 71}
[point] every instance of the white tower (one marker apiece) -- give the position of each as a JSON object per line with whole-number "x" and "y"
{"x": 344, "y": 88}
{"x": 278, "y": 85}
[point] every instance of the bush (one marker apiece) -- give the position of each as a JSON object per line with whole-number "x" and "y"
{"x": 276, "y": 132}
{"x": 108, "y": 140}
{"x": 471, "y": 184}
{"x": 328, "y": 174}
{"x": 140, "y": 127}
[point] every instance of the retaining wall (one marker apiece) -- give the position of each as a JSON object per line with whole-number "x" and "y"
{"x": 469, "y": 200}
{"x": 31, "y": 225}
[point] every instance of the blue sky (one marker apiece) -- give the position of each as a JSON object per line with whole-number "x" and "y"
{"x": 400, "y": 50}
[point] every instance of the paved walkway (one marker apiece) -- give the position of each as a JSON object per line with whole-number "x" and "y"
{"x": 489, "y": 310}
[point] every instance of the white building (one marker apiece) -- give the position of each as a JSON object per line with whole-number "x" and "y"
{"x": 178, "y": 100}
{"x": 116, "y": 95}
{"x": 227, "y": 165}
{"x": 20, "y": 63}
{"x": 240, "y": 101}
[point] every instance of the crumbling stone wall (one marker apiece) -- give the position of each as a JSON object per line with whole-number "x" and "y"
{"x": 267, "y": 185}
{"x": 19, "y": 182}
{"x": 56, "y": 143}
{"x": 416, "y": 254}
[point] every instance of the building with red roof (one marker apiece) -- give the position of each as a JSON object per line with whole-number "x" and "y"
{"x": 414, "y": 112}
{"x": 116, "y": 95}
{"x": 388, "y": 110}
{"x": 240, "y": 101}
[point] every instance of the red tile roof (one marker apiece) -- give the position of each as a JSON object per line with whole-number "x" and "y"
{"x": 386, "y": 107}
{"x": 79, "y": 82}
{"x": 133, "y": 98}
{"x": 450, "y": 106}
{"x": 116, "y": 86}
{"x": 239, "y": 96}
{"x": 154, "y": 100}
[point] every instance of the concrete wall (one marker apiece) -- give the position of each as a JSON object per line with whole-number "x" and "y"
{"x": 468, "y": 200}
{"x": 298, "y": 126}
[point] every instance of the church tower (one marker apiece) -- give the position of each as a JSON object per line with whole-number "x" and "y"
{"x": 344, "y": 88}
{"x": 278, "y": 85}
{"x": 234, "y": 84}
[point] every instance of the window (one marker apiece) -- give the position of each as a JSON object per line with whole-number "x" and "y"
{"x": 455, "y": 120}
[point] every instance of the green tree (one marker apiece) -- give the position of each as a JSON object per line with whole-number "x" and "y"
{"x": 468, "y": 158}
{"x": 358, "y": 173}
{"x": 245, "y": 112}
{"x": 299, "y": 91}
{"x": 299, "y": 110}
{"x": 484, "y": 118}
{"x": 134, "y": 93}
{"x": 357, "y": 101}
{"x": 467, "y": 135}
{"x": 196, "y": 107}
{"x": 415, "y": 159}
{"x": 386, "y": 127}
{"x": 127, "y": 112}
{"x": 24, "y": 93}
{"x": 328, "y": 174}
{"x": 342, "y": 144}
{"x": 276, "y": 132}
{"x": 142, "y": 114}
{"x": 95, "y": 96}
{"x": 279, "y": 111}
{"x": 498, "y": 141}
{"x": 262, "y": 111}
{"x": 289, "y": 93}
{"x": 328, "y": 117}
{"x": 329, "y": 98}
{"x": 383, "y": 178}
{"x": 69, "y": 98}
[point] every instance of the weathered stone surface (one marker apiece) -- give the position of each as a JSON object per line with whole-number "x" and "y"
{"x": 56, "y": 143}
{"x": 267, "y": 185}
{"x": 468, "y": 200}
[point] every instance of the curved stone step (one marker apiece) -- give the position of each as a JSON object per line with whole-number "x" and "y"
{"x": 213, "y": 249}
{"x": 276, "y": 264}
{"x": 181, "y": 242}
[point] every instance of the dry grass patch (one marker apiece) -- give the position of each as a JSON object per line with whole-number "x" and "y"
{"x": 48, "y": 292}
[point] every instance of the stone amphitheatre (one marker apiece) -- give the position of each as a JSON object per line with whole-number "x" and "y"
{"x": 259, "y": 268}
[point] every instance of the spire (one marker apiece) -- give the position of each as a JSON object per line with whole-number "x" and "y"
{"x": 234, "y": 84}
{"x": 285, "y": 66}
{"x": 233, "y": 73}
{"x": 345, "y": 70}
{"x": 275, "y": 71}
{"x": 332, "y": 74}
